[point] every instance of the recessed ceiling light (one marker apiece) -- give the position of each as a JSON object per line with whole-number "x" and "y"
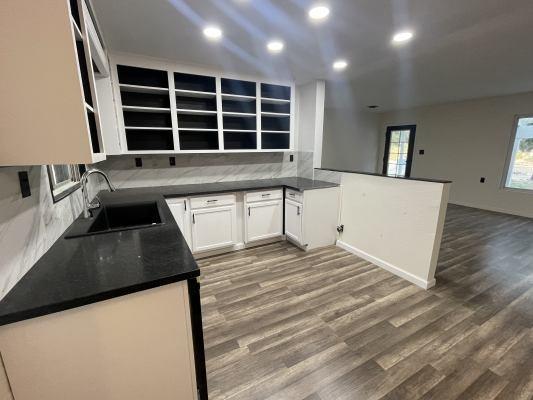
{"x": 339, "y": 65}
{"x": 402, "y": 37}
{"x": 275, "y": 46}
{"x": 318, "y": 12}
{"x": 212, "y": 33}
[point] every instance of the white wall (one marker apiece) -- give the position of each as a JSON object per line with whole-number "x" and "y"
{"x": 29, "y": 226}
{"x": 463, "y": 142}
{"x": 350, "y": 139}
{"x": 309, "y": 126}
{"x": 394, "y": 223}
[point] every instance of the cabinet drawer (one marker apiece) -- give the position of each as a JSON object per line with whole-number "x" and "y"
{"x": 212, "y": 201}
{"x": 263, "y": 195}
{"x": 294, "y": 195}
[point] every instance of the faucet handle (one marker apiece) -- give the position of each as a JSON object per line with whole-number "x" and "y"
{"x": 95, "y": 203}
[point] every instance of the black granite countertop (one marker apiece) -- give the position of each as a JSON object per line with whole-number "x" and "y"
{"x": 84, "y": 270}
{"x": 299, "y": 184}
{"x": 385, "y": 175}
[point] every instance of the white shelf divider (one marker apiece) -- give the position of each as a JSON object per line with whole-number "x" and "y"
{"x": 195, "y": 93}
{"x": 146, "y": 109}
{"x": 199, "y": 129}
{"x": 148, "y": 128}
{"x": 273, "y": 114}
{"x": 237, "y": 114}
{"x": 269, "y": 100}
{"x": 237, "y": 97}
{"x": 142, "y": 89}
{"x": 196, "y": 112}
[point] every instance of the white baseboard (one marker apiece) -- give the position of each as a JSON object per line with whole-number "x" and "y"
{"x": 489, "y": 208}
{"x": 424, "y": 284}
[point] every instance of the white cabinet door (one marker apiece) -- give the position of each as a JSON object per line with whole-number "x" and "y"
{"x": 181, "y": 213}
{"x": 293, "y": 221}
{"x": 213, "y": 228}
{"x": 264, "y": 220}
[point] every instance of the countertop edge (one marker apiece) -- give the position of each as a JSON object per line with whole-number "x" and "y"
{"x": 385, "y": 176}
{"x": 88, "y": 300}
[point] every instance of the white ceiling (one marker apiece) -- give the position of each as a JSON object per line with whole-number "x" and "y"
{"x": 462, "y": 48}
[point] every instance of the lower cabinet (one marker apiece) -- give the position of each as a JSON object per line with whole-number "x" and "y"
{"x": 180, "y": 210}
{"x": 213, "y": 222}
{"x": 263, "y": 215}
{"x": 136, "y": 347}
{"x": 293, "y": 221}
{"x": 220, "y": 221}
{"x": 311, "y": 217}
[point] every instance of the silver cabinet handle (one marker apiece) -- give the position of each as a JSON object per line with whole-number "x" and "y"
{"x": 212, "y": 201}
{"x": 248, "y": 211}
{"x": 265, "y": 195}
{"x": 298, "y": 210}
{"x": 185, "y": 204}
{"x": 193, "y": 221}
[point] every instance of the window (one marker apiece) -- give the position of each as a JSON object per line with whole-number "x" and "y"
{"x": 64, "y": 179}
{"x": 520, "y": 168}
{"x": 398, "y": 157}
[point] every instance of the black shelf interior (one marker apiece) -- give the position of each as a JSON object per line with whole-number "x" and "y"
{"x": 187, "y": 121}
{"x": 196, "y": 103}
{"x": 275, "y": 91}
{"x": 239, "y": 106}
{"x": 75, "y": 12}
{"x": 275, "y": 123}
{"x": 198, "y": 83}
{"x": 149, "y": 140}
{"x": 84, "y": 72}
{"x": 282, "y": 108}
{"x": 240, "y": 123}
{"x": 275, "y": 141}
{"x": 145, "y": 99}
{"x": 146, "y": 119}
{"x": 95, "y": 142}
{"x": 194, "y": 140}
{"x": 240, "y": 140}
{"x": 142, "y": 76}
{"x": 234, "y": 86}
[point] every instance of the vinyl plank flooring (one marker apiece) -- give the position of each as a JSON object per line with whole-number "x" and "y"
{"x": 280, "y": 323}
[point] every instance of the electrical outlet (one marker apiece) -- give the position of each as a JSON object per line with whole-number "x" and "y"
{"x": 482, "y": 179}
{"x": 291, "y": 158}
{"x": 24, "y": 184}
{"x": 172, "y": 161}
{"x": 421, "y": 151}
{"x": 138, "y": 162}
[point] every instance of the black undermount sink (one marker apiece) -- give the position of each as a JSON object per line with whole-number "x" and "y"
{"x": 117, "y": 217}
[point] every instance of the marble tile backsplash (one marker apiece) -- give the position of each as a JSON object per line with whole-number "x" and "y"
{"x": 198, "y": 168}
{"x": 29, "y": 226}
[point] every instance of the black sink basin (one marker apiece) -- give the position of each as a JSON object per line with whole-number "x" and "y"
{"x": 118, "y": 217}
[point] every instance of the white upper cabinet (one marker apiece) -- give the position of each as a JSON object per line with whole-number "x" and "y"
{"x": 49, "y": 105}
{"x": 165, "y": 108}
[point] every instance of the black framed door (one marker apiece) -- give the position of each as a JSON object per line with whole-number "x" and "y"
{"x": 399, "y": 146}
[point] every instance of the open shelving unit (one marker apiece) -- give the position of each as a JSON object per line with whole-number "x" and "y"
{"x": 146, "y": 110}
{"x": 275, "y": 116}
{"x": 79, "y": 19}
{"x": 196, "y": 107}
{"x": 166, "y": 111}
{"x": 239, "y": 114}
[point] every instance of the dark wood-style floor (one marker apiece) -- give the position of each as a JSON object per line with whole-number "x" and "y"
{"x": 283, "y": 324}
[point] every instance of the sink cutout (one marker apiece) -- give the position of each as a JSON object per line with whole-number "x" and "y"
{"x": 119, "y": 217}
